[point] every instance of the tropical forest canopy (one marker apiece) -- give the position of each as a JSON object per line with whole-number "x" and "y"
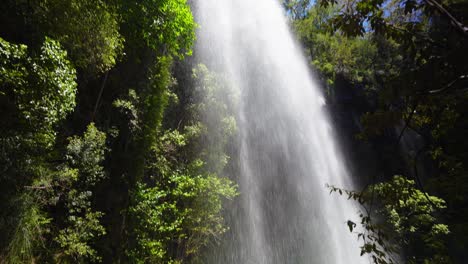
{"x": 107, "y": 155}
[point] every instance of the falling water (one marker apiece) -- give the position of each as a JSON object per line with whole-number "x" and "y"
{"x": 287, "y": 151}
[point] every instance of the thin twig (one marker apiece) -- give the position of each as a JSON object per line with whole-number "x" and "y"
{"x": 450, "y": 85}
{"x": 38, "y": 187}
{"x": 407, "y": 121}
{"x": 99, "y": 96}
{"x": 418, "y": 180}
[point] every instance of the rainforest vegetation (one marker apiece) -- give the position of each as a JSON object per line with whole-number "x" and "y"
{"x": 400, "y": 68}
{"x": 107, "y": 153}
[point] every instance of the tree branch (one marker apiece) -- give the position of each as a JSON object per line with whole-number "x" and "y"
{"x": 407, "y": 122}
{"x": 38, "y": 187}
{"x": 447, "y": 14}
{"x": 450, "y": 85}
{"x": 416, "y": 176}
{"x": 99, "y": 96}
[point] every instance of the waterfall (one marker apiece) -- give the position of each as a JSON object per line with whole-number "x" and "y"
{"x": 287, "y": 150}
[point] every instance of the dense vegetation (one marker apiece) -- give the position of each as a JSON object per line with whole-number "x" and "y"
{"x": 101, "y": 154}
{"x": 107, "y": 153}
{"x": 403, "y": 64}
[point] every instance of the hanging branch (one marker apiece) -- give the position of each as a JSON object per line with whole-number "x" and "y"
{"x": 450, "y": 85}
{"x": 42, "y": 187}
{"x": 407, "y": 121}
{"x": 416, "y": 176}
{"x": 99, "y": 96}
{"x": 447, "y": 14}
{"x": 413, "y": 110}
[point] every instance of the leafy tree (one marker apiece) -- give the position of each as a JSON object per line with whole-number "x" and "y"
{"x": 84, "y": 157}
{"x": 416, "y": 83}
{"x": 165, "y": 26}
{"x": 335, "y": 56}
{"x": 28, "y": 233}
{"x": 57, "y": 207}
{"x": 399, "y": 222}
{"x": 215, "y": 114}
{"x": 178, "y": 211}
{"x": 37, "y": 91}
{"x": 297, "y": 9}
{"x": 89, "y": 30}
{"x": 57, "y": 195}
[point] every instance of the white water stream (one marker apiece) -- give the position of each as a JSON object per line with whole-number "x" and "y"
{"x": 287, "y": 148}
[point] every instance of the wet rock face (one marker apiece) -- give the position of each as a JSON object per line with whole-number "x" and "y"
{"x": 378, "y": 157}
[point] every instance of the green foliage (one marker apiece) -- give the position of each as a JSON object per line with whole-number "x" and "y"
{"x": 82, "y": 225}
{"x": 155, "y": 98}
{"x": 128, "y": 107}
{"x": 54, "y": 194}
{"x": 412, "y": 215}
{"x": 163, "y": 186}
{"x": 86, "y": 155}
{"x": 183, "y": 208}
{"x": 334, "y": 54}
{"x": 74, "y": 239}
{"x": 297, "y": 9}
{"x": 415, "y": 81}
{"x": 88, "y": 29}
{"x": 37, "y": 90}
{"x": 411, "y": 229}
{"x": 166, "y": 26}
{"x": 29, "y": 233}
{"x": 58, "y": 207}
{"x": 215, "y": 113}
{"x": 178, "y": 211}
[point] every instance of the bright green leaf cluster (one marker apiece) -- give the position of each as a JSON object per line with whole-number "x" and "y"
{"x": 166, "y": 26}
{"x": 88, "y": 29}
{"x": 178, "y": 211}
{"x": 39, "y": 89}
